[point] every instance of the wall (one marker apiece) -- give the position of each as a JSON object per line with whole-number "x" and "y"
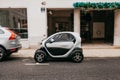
{"x": 37, "y": 21}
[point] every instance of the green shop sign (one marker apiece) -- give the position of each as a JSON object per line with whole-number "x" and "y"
{"x": 97, "y": 5}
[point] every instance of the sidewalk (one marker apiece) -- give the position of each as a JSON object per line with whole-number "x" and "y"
{"x": 88, "y": 52}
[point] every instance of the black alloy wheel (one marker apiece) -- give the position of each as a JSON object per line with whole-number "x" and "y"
{"x": 77, "y": 56}
{"x": 40, "y": 56}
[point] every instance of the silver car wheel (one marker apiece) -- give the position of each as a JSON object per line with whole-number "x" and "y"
{"x": 40, "y": 57}
{"x": 77, "y": 57}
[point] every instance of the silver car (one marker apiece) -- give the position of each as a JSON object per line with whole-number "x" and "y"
{"x": 9, "y": 42}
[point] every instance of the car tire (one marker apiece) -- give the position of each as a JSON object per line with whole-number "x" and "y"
{"x": 2, "y": 54}
{"x": 77, "y": 56}
{"x": 40, "y": 56}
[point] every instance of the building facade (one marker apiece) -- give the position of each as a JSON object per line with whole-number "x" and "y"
{"x": 45, "y": 17}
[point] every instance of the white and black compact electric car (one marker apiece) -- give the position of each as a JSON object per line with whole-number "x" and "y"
{"x": 60, "y": 45}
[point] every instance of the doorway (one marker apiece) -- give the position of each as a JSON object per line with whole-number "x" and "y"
{"x": 59, "y": 20}
{"x": 97, "y": 26}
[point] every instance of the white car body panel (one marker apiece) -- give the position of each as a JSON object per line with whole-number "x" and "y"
{"x": 6, "y": 43}
{"x": 77, "y": 44}
{"x": 66, "y": 45}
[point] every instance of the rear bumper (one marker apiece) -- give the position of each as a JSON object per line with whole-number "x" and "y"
{"x": 13, "y": 50}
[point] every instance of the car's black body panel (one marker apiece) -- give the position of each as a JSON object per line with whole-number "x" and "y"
{"x": 58, "y": 51}
{"x": 80, "y": 49}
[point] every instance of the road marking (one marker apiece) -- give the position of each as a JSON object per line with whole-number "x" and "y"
{"x": 25, "y": 60}
{"x": 41, "y": 64}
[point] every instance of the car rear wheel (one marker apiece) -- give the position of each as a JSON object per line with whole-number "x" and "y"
{"x": 40, "y": 56}
{"x": 77, "y": 56}
{"x": 2, "y": 53}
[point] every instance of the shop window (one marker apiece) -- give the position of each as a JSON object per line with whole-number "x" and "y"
{"x": 16, "y": 20}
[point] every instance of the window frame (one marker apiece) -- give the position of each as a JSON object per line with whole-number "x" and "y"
{"x": 59, "y": 36}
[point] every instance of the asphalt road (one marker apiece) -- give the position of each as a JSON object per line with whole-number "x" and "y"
{"x": 89, "y": 69}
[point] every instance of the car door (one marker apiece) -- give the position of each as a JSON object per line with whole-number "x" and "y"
{"x": 60, "y": 44}
{"x": 3, "y": 37}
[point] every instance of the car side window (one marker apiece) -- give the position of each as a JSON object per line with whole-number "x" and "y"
{"x": 63, "y": 37}
{"x": 1, "y": 31}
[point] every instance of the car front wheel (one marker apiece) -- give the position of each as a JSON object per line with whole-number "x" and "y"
{"x": 77, "y": 56}
{"x": 40, "y": 56}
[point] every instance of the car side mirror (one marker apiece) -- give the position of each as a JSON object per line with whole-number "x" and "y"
{"x": 52, "y": 40}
